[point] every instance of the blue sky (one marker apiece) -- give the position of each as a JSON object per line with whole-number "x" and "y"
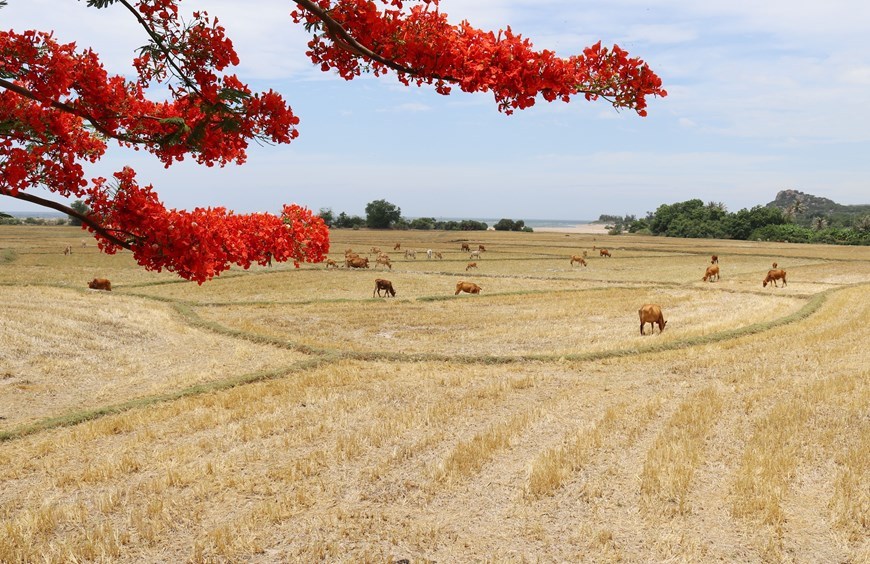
{"x": 762, "y": 97}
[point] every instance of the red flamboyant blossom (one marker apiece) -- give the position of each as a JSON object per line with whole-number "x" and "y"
{"x": 59, "y": 108}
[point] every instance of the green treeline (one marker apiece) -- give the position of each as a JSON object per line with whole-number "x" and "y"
{"x": 381, "y": 214}
{"x": 695, "y": 219}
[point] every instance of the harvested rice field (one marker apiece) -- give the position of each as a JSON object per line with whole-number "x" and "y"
{"x": 284, "y": 414}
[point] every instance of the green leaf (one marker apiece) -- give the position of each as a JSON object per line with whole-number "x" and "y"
{"x": 100, "y": 3}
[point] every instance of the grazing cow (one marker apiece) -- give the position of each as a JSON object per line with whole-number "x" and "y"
{"x": 604, "y": 253}
{"x": 410, "y": 254}
{"x": 465, "y": 247}
{"x": 332, "y": 263}
{"x": 470, "y": 265}
{"x": 714, "y": 259}
{"x": 467, "y": 287}
{"x": 100, "y": 284}
{"x": 577, "y": 259}
{"x": 774, "y": 266}
{"x": 385, "y": 286}
{"x": 397, "y": 246}
{"x": 439, "y": 255}
{"x": 475, "y": 254}
{"x": 773, "y": 276}
{"x": 429, "y": 254}
{"x": 481, "y": 248}
{"x": 652, "y": 314}
{"x": 385, "y": 261}
{"x": 68, "y": 250}
{"x": 376, "y": 250}
{"x": 357, "y": 262}
{"x": 710, "y": 273}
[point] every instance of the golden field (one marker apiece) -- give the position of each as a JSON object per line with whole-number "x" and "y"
{"x": 283, "y": 414}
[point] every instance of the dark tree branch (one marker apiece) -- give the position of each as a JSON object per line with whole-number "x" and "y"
{"x": 159, "y": 42}
{"x": 86, "y": 219}
{"x": 346, "y": 41}
{"x": 20, "y": 90}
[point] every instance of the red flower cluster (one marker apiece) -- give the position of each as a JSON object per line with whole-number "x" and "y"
{"x": 423, "y": 47}
{"x": 58, "y": 107}
{"x": 199, "y": 244}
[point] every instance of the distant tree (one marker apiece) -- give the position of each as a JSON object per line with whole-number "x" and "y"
{"x": 380, "y": 214}
{"x": 510, "y": 225}
{"x": 472, "y": 225}
{"x": 424, "y": 223}
{"x": 796, "y": 208}
{"x": 819, "y": 223}
{"x": 348, "y": 221}
{"x": 81, "y": 209}
{"x": 327, "y": 216}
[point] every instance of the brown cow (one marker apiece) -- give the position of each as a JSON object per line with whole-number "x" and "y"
{"x": 397, "y": 246}
{"x": 774, "y": 266}
{"x": 773, "y": 276}
{"x": 604, "y": 253}
{"x": 376, "y": 250}
{"x": 710, "y": 273}
{"x": 577, "y": 259}
{"x": 439, "y": 255}
{"x": 357, "y": 262}
{"x": 385, "y": 286}
{"x": 68, "y": 250}
{"x": 465, "y": 247}
{"x": 100, "y": 284}
{"x": 332, "y": 263}
{"x": 467, "y": 287}
{"x": 714, "y": 259}
{"x": 652, "y": 314}
{"x": 481, "y": 248}
{"x": 385, "y": 261}
{"x": 470, "y": 265}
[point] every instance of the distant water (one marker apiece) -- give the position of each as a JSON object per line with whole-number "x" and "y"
{"x": 36, "y": 214}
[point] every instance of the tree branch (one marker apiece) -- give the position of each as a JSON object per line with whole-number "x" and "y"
{"x": 20, "y": 90}
{"x": 69, "y": 211}
{"x": 159, "y": 42}
{"x": 347, "y": 42}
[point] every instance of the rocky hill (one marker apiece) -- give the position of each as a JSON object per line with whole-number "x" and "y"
{"x": 811, "y": 206}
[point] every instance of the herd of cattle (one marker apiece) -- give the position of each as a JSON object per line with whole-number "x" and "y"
{"x": 649, "y": 313}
